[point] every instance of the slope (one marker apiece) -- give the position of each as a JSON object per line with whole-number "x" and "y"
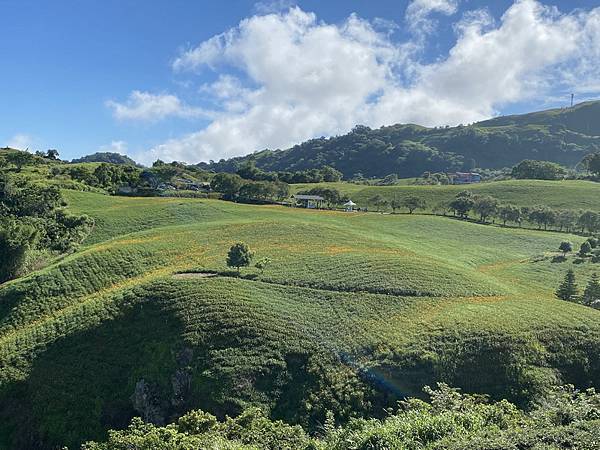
{"x": 565, "y": 194}
{"x": 355, "y": 312}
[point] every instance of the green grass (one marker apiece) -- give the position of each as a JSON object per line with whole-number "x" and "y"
{"x": 356, "y": 311}
{"x": 567, "y": 194}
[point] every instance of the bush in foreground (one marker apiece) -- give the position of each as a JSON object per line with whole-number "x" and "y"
{"x": 566, "y": 418}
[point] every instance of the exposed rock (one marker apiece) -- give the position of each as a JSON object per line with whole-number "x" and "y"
{"x": 146, "y": 401}
{"x": 181, "y": 382}
{"x": 184, "y": 357}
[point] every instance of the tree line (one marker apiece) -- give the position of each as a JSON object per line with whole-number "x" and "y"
{"x": 328, "y": 174}
{"x": 487, "y": 208}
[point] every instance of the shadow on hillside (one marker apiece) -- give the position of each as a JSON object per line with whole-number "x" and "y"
{"x": 82, "y": 384}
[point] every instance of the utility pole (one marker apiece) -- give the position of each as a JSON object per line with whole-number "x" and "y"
{"x": 572, "y": 96}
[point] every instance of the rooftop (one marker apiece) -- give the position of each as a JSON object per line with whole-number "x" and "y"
{"x": 307, "y": 197}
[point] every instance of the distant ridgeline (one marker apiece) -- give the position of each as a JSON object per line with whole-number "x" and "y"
{"x": 106, "y": 157}
{"x": 563, "y": 136}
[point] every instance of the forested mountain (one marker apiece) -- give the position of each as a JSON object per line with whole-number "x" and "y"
{"x": 560, "y": 135}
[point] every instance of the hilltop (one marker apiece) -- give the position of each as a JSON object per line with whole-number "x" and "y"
{"x": 106, "y": 157}
{"x": 560, "y": 135}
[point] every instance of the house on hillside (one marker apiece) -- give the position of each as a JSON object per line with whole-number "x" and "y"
{"x": 308, "y": 201}
{"x": 125, "y": 189}
{"x": 465, "y": 177}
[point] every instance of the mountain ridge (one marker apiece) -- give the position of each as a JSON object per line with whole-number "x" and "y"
{"x": 561, "y": 135}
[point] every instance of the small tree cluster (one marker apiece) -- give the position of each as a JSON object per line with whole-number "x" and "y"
{"x": 538, "y": 170}
{"x": 32, "y": 218}
{"x": 233, "y": 187}
{"x": 569, "y": 291}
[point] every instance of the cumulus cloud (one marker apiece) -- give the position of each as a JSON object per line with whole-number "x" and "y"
{"x": 273, "y": 6}
{"x": 418, "y": 13}
{"x": 146, "y": 106}
{"x": 114, "y": 147}
{"x": 20, "y": 141}
{"x": 299, "y": 77}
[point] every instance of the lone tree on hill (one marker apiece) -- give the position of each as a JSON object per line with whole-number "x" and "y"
{"x": 568, "y": 288}
{"x": 412, "y": 203}
{"x": 565, "y": 247}
{"x": 592, "y": 290}
{"x": 239, "y": 255}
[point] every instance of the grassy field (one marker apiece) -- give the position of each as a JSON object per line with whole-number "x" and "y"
{"x": 356, "y": 311}
{"x": 566, "y": 194}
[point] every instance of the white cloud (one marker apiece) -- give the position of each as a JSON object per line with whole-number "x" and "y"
{"x": 273, "y": 6}
{"x": 418, "y": 12}
{"x": 114, "y": 147}
{"x": 20, "y": 141}
{"x": 146, "y": 106}
{"x": 302, "y": 78}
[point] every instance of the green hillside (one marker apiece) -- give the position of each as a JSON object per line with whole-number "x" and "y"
{"x": 559, "y": 135}
{"x": 582, "y": 118}
{"x": 355, "y": 312}
{"x": 566, "y": 194}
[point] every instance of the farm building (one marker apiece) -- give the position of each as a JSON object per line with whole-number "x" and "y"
{"x": 308, "y": 201}
{"x": 349, "y": 205}
{"x": 465, "y": 177}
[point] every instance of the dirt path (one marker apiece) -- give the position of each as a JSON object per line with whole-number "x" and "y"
{"x": 188, "y": 275}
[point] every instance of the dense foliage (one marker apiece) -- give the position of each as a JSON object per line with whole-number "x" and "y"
{"x": 32, "y": 218}
{"x": 234, "y": 187}
{"x": 450, "y": 420}
{"x": 538, "y": 170}
{"x": 249, "y": 171}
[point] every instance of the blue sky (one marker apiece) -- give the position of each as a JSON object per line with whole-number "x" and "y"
{"x": 199, "y": 80}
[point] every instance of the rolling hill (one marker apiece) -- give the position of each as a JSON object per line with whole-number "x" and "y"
{"x": 355, "y": 312}
{"x": 564, "y": 194}
{"x": 560, "y": 135}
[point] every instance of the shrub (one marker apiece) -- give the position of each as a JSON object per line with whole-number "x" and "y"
{"x": 585, "y": 249}
{"x": 565, "y": 247}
